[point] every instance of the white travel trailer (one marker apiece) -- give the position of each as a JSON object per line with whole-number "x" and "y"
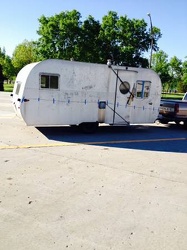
{"x": 58, "y": 92}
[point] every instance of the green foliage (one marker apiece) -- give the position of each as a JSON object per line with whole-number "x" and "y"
{"x": 23, "y": 54}
{"x": 183, "y": 83}
{"x": 123, "y": 40}
{"x": 133, "y": 40}
{"x": 89, "y": 42}
{"x": 173, "y": 72}
{"x": 161, "y": 66}
{"x": 8, "y": 68}
{"x": 59, "y": 35}
{"x": 108, "y": 35}
{"x": 2, "y": 77}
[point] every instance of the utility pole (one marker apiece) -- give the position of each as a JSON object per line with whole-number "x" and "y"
{"x": 151, "y": 36}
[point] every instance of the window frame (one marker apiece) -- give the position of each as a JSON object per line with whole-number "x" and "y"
{"x": 49, "y": 75}
{"x": 143, "y": 89}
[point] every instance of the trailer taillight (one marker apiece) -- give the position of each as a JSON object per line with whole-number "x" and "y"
{"x": 176, "y": 107}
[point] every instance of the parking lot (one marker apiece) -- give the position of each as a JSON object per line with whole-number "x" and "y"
{"x": 121, "y": 188}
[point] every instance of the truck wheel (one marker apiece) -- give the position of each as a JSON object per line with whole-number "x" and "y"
{"x": 164, "y": 121}
{"x": 177, "y": 123}
{"x": 185, "y": 124}
{"x": 88, "y": 127}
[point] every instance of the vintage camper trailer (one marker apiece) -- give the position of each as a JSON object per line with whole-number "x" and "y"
{"x": 58, "y": 92}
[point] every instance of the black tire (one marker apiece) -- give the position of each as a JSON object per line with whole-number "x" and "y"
{"x": 185, "y": 124}
{"x": 88, "y": 127}
{"x": 163, "y": 121}
{"x": 177, "y": 123}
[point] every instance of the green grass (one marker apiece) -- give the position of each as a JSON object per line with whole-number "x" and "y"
{"x": 8, "y": 87}
{"x": 175, "y": 96}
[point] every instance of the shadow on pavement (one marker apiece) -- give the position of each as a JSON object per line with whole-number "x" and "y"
{"x": 170, "y": 138}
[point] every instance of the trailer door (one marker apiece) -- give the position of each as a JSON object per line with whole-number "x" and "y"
{"x": 125, "y": 81}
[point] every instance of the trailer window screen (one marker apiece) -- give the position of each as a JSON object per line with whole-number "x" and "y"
{"x": 49, "y": 81}
{"x": 143, "y": 89}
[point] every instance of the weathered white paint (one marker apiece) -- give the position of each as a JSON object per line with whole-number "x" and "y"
{"x": 81, "y": 87}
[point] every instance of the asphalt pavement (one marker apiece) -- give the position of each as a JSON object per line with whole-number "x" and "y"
{"x": 122, "y": 188}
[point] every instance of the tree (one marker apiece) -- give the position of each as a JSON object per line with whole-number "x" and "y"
{"x": 109, "y": 38}
{"x": 182, "y": 86}
{"x": 118, "y": 38}
{"x": 24, "y": 54}
{"x": 8, "y": 68}
{"x": 134, "y": 41}
{"x": 175, "y": 66}
{"x": 161, "y": 65}
{"x": 126, "y": 40}
{"x": 89, "y": 44}
{"x": 59, "y": 35}
{"x": 2, "y": 77}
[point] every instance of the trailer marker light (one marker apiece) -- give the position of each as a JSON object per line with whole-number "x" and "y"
{"x": 26, "y": 100}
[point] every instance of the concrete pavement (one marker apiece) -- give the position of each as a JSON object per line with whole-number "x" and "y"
{"x": 58, "y": 195}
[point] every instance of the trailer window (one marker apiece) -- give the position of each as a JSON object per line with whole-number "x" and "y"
{"x": 49, "y": 81}
{"x": 143, "y": 89}
{"x": 18, "y": 87}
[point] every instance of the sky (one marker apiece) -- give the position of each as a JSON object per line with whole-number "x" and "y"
{"x": 19, "y": 19}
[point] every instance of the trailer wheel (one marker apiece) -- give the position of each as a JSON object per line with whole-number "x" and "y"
{"x": 88, "y": 127}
